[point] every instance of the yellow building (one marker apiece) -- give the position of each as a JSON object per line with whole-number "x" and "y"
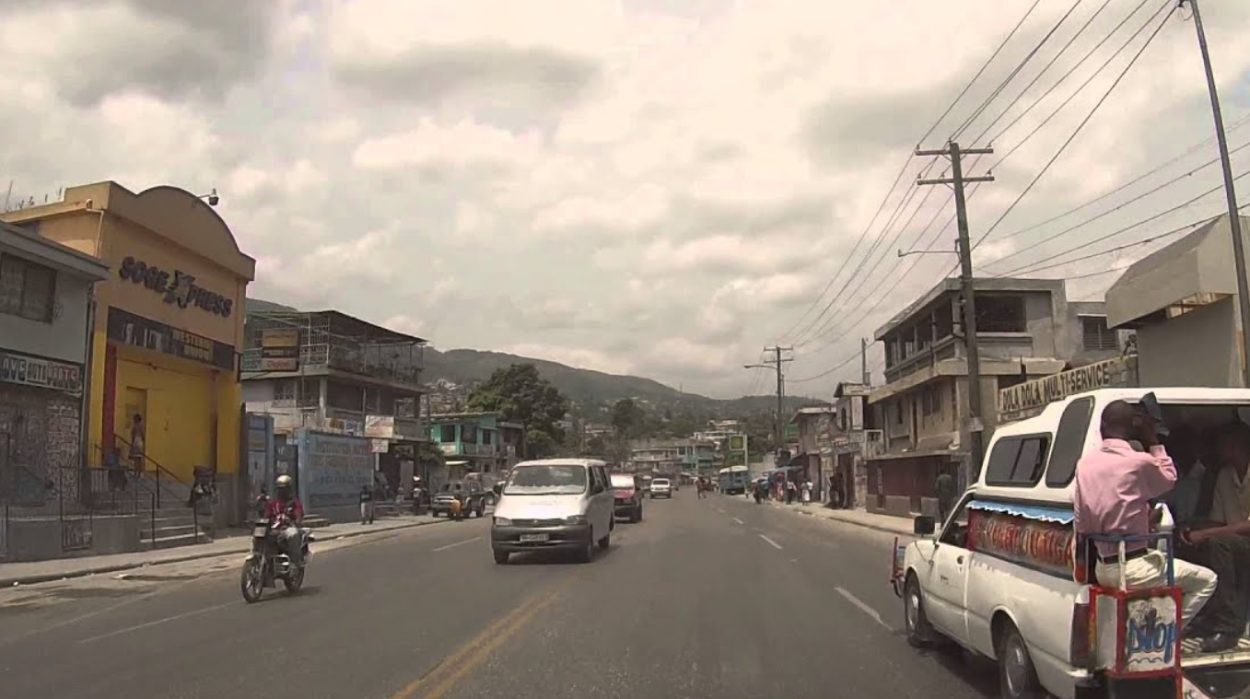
{"x": 168, "y": 324}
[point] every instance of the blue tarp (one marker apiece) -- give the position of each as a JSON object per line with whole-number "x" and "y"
{"x": 1041, "y": 513}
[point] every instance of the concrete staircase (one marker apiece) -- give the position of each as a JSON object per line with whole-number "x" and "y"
{"x": 173, "y": 523}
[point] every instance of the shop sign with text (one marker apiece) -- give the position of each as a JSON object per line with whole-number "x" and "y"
{"x": 137, "y": 331}
{"x": 1031, "y": 396}
{"x": 177, "y": 287}
{"x": 41, "y": 373}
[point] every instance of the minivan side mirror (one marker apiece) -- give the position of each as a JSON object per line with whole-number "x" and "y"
{"x": 923, "y": 525}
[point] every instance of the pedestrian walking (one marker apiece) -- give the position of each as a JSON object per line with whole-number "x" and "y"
{"x": 366, "y": 505}
{"x": 791, "y": 491}
{"x": 807, "y": 492}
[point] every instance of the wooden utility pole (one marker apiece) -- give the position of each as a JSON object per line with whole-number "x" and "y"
{"x": 1230, "y": 192}
{"x": 775, "y": 363}
{"x": 957, "y": 181}
{"x": 863, "y": 360}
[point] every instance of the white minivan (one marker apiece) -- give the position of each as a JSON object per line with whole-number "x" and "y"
{"x": 1002, "y": 577}
{"x": 564, "y": 504}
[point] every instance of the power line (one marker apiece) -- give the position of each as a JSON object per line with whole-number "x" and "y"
{"x": 1240, "y": 122}
{"x": 1087, "y": 118}
{"x": 1075, "y": 66}
{"x": 1139, "y": 197}
{"x": 1142, "y": 222}
{"x": 1144, "y": 241}
{"x": 1054, "y": 59}
{"x": 1015, "y": 71}
{"x": 903, "y": 169}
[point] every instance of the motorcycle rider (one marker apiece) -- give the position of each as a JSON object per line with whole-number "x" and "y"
{"x": 285, "y": 514}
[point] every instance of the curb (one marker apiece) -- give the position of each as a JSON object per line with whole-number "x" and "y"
{"x": 190, "y": 556}
{"x": 855, "y": 523}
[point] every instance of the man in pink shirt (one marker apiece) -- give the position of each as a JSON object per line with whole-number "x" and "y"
{"x": 1113, "y": 488}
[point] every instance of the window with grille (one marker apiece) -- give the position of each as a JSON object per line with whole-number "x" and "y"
{"x": 1097, "y": 336}
{"x": 27, "y": 289}
{"x": 1000, "y": 314}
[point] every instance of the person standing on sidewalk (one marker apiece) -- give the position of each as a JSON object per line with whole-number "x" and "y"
{"x": 366, "y": 505}
{"x": 137, "y": 439}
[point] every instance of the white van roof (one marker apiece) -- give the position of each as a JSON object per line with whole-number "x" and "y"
{"x": 1047, "y": 422}
{"x": 562, "y": 462}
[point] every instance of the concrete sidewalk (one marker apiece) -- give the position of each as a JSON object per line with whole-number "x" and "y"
{"x": 239, "y": 543}
{"x": 884, "y": 523}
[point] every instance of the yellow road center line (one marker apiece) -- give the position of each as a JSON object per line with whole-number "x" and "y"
{"x": 476, "y": 650}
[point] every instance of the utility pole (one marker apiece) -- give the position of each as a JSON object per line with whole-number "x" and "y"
{"x": 775, "y": 363}
{"x": 863, "y": 360}
{"x": 957, "y": 180}
{"x": 1234, "y": 220}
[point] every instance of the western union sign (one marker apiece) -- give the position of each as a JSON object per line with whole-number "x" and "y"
{"x": 1028, "y": 398}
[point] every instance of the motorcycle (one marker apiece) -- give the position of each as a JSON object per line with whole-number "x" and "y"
{"x": 267, "y": 564}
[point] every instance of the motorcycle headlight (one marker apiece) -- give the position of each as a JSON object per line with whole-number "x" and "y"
{"x": 575, "y": 519}
{"x": 503, "y": 522}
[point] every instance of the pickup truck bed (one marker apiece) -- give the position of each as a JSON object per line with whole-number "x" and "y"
{"x": 1192, "y": 657}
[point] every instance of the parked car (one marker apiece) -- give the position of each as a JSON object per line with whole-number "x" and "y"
{"x": 627, "y": 495}
{"x": 661, "y": 488}
{"x": 561, "y": 504}
{"x": 470, "y": 493}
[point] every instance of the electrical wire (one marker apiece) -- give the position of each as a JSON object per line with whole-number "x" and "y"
{"x": 1144, "y": 241}
{"x": 903, "y": 169}
{"x": 1102, "y": 100}
{"x": 1142, "y": 222}
{"x": 1012, "y": 75}
{"x": 1139, "y": 197}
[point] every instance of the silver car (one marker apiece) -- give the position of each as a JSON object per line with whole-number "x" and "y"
{"x": 560, "y": 504}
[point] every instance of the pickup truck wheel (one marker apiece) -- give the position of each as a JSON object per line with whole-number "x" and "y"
{"x": 919, "y": 632}
{"x": 605, "y": 542}
{"x": 1017, "y": 678}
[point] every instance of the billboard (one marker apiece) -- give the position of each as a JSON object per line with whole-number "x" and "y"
{"x": 333, "y": 468}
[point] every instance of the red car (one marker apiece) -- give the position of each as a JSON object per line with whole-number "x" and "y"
{"x": 627, "y": 496}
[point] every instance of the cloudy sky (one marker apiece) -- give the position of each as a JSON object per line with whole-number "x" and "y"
{"x": 659, "y": 187}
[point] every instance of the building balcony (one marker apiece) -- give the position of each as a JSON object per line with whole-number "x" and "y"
{"x": 394, "y": 427}
{"x": 462, "y": 449}
{"x": 361, "y": 360}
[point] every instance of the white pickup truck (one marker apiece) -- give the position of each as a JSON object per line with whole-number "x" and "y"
{"x": 1002, "y": 576}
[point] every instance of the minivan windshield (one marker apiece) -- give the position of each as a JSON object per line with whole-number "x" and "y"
{"x": 622, "y": 480}
{"x": 547, "y": 479}
{"x": 660, "y": 481}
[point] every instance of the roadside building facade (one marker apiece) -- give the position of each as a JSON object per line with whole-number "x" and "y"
{"x": 854, "y": 439}
{"x": 347, "y": 390}
{"x": 167, "y": 327}
{"x": 475, "y": 442}
{"x": 46, "y": 292}
{"x": 813, "y": 455}
{"x": 1026, "y": 329}
{"x": 1182, "y": 302}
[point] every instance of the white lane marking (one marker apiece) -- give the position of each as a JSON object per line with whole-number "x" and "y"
{"x": 739, "y": 521}
{"x": 176, "y": 617}
{"x": 863, "y": 606}
{"x": 458, "y": 543}
{"x": 774, "y": 543}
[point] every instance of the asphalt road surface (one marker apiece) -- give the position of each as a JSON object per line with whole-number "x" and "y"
{"x": 704, "y": 598}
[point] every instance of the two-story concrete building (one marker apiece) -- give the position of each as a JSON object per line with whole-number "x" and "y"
{"x": 813, "y": 453}
{"x": 854, "y": 439}
{"x": 46, "y": 299}
{"x": 475, "y": 442}
{"x": 1026, "y": 328}
{"x": 345, "y": 391}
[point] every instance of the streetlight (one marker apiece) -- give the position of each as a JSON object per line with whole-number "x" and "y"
{"x": 211, "y": 197}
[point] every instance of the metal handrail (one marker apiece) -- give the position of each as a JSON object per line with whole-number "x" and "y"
{"x": 158, "y": 470}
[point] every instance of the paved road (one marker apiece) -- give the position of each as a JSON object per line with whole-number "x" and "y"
{"x": 704, "y": 598}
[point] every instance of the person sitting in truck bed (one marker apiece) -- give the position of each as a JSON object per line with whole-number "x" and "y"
{"x": 1114, "y": 486}
{"x": 1222, "y": 542}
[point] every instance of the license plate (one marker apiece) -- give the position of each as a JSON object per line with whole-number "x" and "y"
{"x": 260, "y": 531}
{"x": 531, "y": 538}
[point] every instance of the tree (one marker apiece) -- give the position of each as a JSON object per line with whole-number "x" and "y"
{"x": 519, "y": 394}
{"x": 627, "y": 418}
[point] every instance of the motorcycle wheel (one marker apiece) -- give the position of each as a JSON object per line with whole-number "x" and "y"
{"x": 294, "y": 580}
{"x": 253, "y": 581}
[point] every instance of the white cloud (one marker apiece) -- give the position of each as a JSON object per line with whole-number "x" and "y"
{"x": 653, "y": 186}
